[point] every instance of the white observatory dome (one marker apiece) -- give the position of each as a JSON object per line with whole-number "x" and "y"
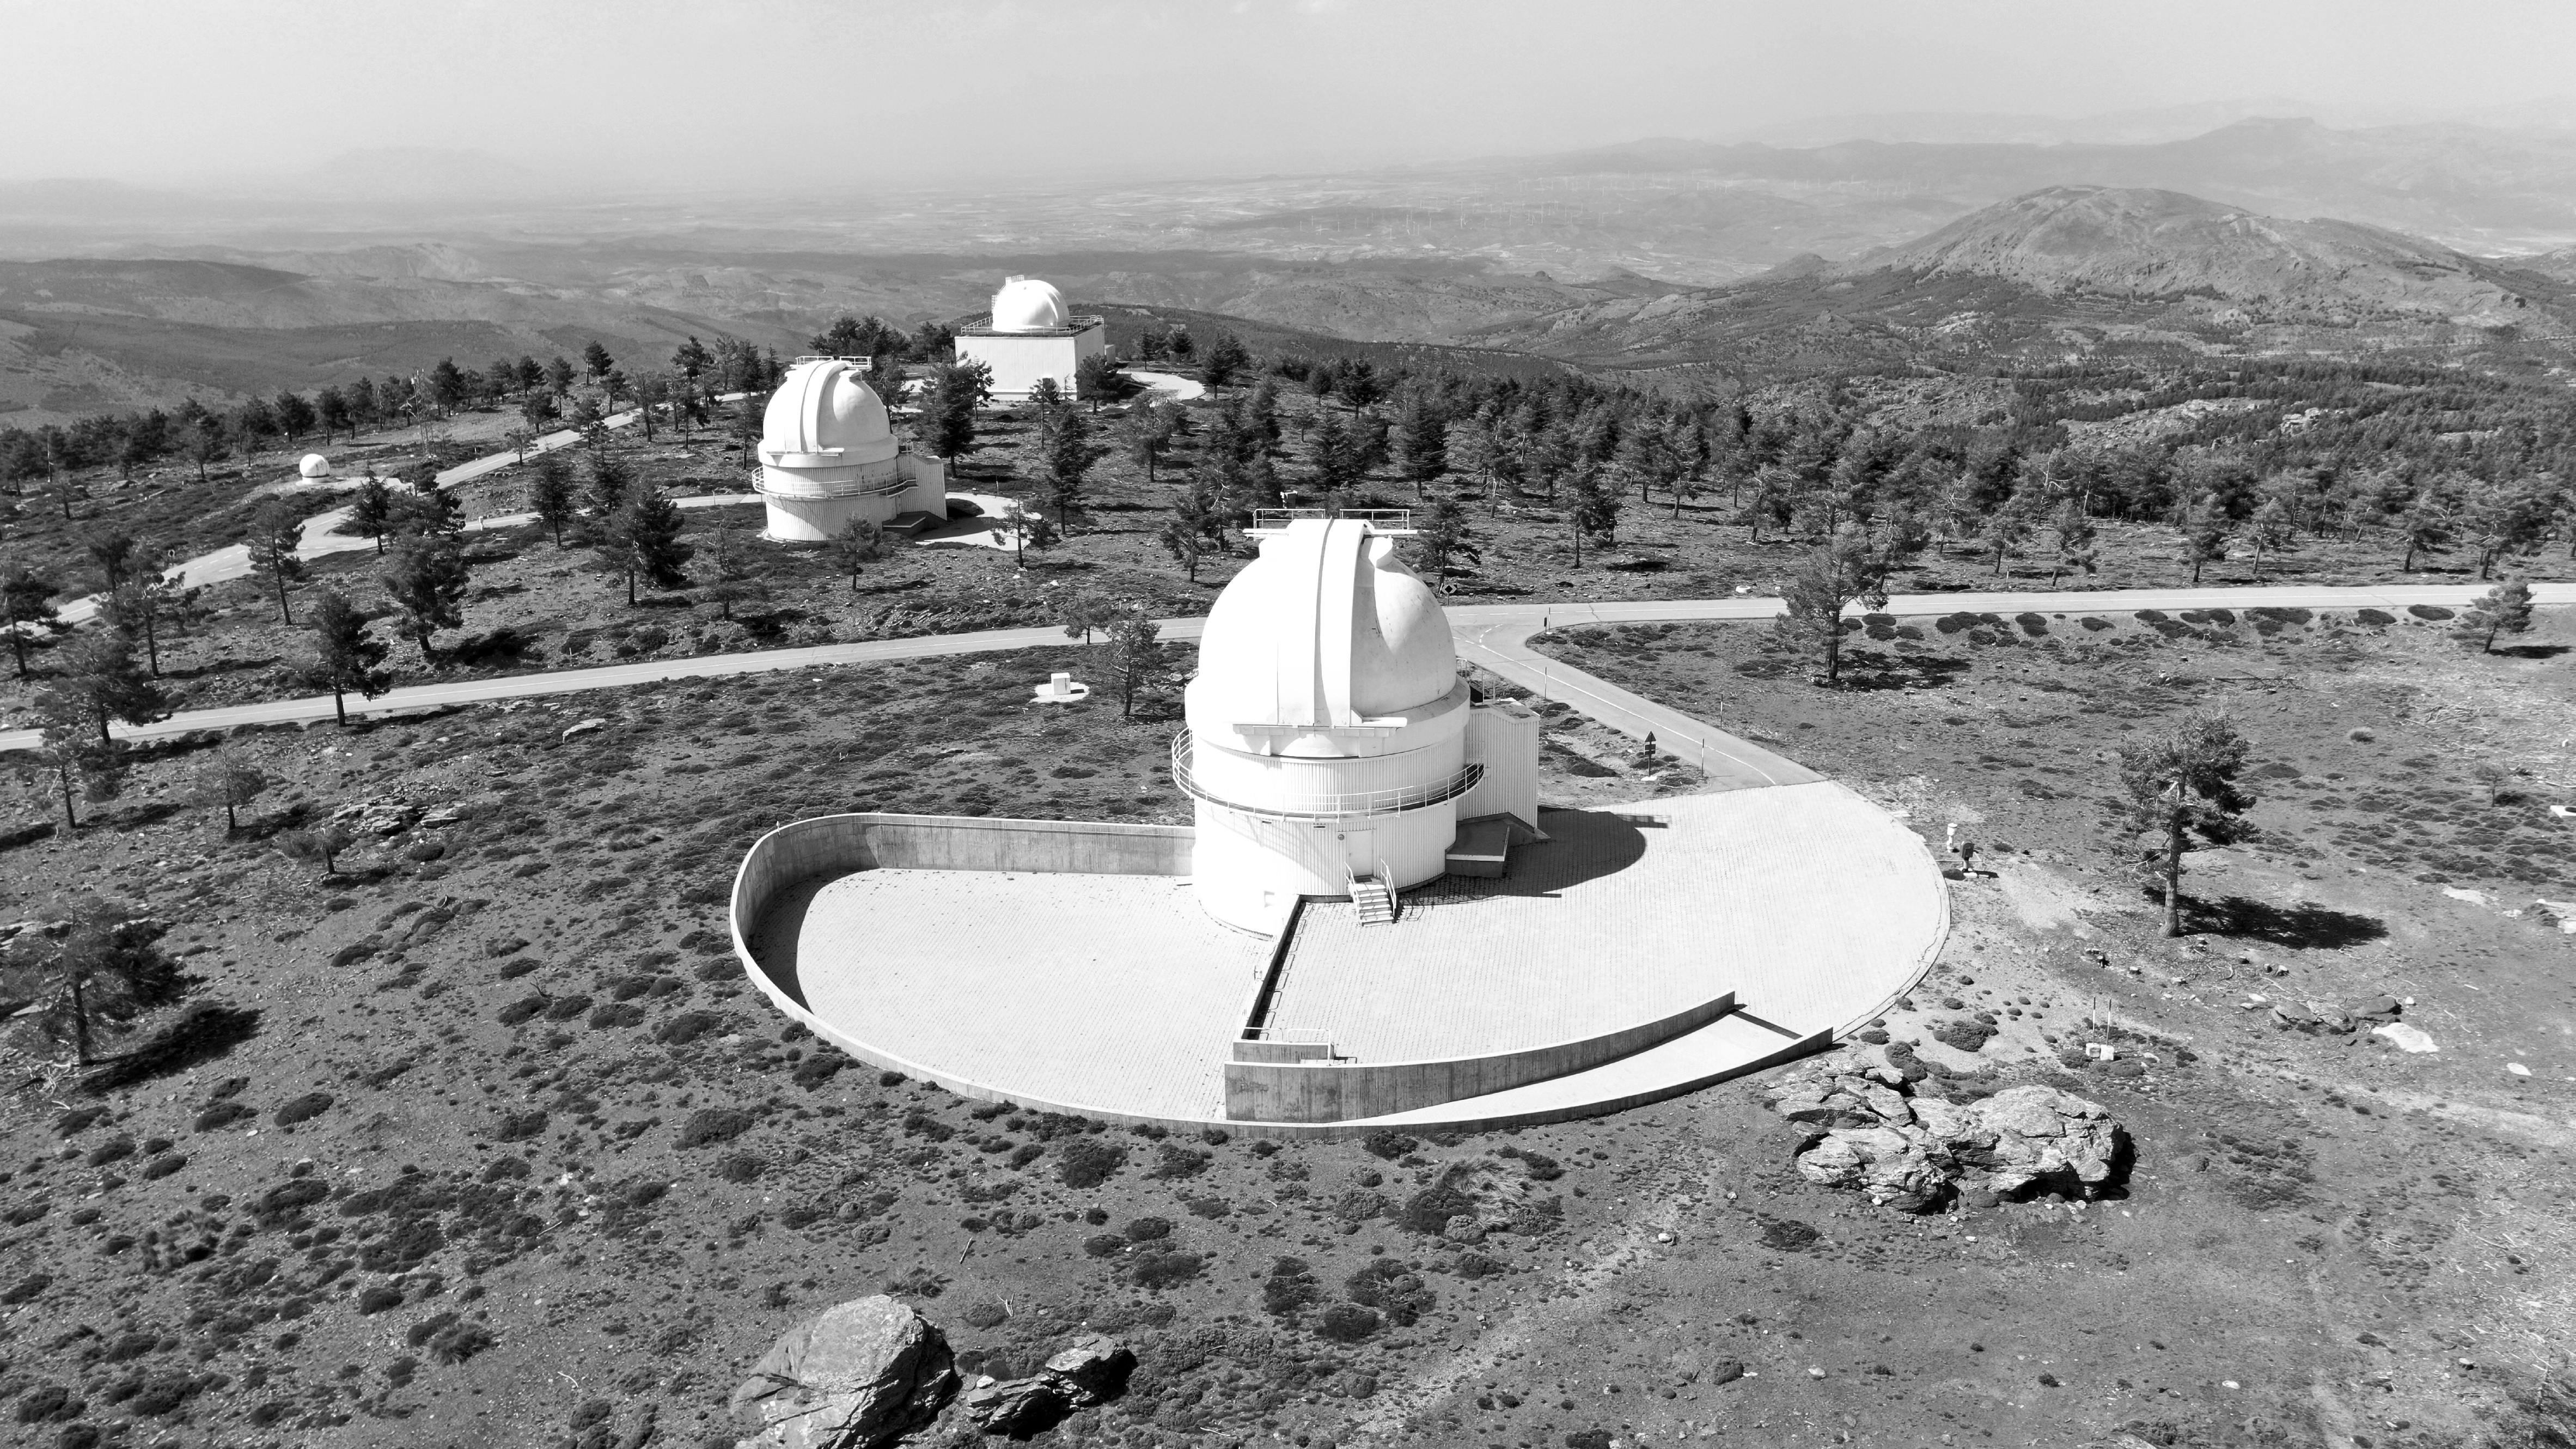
{"x": 1026, "y": 304}
{"x": 1326, "y": 628}
{"x": 825, "y": 414}
{"x": 313, "y": 466}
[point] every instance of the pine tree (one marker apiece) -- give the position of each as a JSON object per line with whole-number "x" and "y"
{"x": 730, "y": 574}
{"x": 1068, "y": 455}
{"x": 1224, "y": 361}
{"x": 2269, "y": 530}
{"x": 859, "y": 543}
{"x": 276, "y": 531}
{"x": 106, "y": 967}
{"x": 26, "y": 602}
{"x": 344, "y": 656}
{"x": 1138, "y": 659}
{"x": 426, "y": 578}
{"x": 2182, "y": 785}
{"x": 230, "y": 782}
{"x": 98, "y": 670}
{"x": 1443, "y": 543}
{"x": 371, "y": 512}
{"x": 2205, "y": 532}
{"x": 550, "y": 495}
{"x": 2504, "y": 609}
{"x": 610, "y": 483}
{"x": 642, "y": 542}
{"x": 1849, "y": 568}
{"x": 73, "y": 752}
{"x": 2077, "y": 547}
{"x": 2425, "y": 526}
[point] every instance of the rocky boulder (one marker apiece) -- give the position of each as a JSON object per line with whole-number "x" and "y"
{"x": 854, "y": 1376}
{"x": 1916, "y": 1153}
{"x": 1090, "y": 1370}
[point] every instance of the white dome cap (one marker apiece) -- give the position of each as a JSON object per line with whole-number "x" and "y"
{"x": 1026, "y": 304}
{"x": 824, "y": 411}
{"x": 313, "y": 466}
{"x": 1325, "y": 629}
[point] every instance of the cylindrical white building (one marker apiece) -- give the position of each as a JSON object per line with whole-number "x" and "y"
{"x": 828, "y": 455}
{"x": 1327, "y": 741}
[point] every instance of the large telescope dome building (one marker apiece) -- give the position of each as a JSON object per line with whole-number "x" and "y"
{"x": 828, "y": 454}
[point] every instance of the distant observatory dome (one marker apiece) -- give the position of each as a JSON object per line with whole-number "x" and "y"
{"x": 313, "y": 466}
{"x": 1326, "y": 627}
{"x": 1026, "y": 304}
{"x": 825, "y": 414}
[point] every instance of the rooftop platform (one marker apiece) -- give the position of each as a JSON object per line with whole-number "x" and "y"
{"x": 1115, "y": 995}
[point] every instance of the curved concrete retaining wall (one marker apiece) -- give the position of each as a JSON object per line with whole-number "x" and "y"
{"x": 1327, "y": 1091}
{"x": 837, "y": 844}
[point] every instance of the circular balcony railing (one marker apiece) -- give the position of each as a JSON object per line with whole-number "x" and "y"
{"x": 1354, "y": 806}
{"x": 857, "y": 488}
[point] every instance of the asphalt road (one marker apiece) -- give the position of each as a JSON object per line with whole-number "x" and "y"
{"x": 1493, "y": 635}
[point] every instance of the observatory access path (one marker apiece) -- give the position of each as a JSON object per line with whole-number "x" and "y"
{"x": 1494, "y": 636}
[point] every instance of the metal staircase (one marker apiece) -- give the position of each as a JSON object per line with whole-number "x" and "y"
{"x": 1374, "y": 896}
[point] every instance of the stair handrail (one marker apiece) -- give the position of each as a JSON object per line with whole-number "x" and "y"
{"x": 1386, "y": 878}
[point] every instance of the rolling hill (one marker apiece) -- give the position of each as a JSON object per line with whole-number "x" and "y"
{"x": 2075, "y": 269}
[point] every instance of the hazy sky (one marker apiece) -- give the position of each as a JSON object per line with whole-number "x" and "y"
{"x": 771, "y": 90}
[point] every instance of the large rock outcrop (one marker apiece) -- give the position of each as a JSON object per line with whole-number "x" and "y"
{"x": 1090, "y": 1370}
{"x": 1866, "y": 1133}
{"x": 855, "y": 1376}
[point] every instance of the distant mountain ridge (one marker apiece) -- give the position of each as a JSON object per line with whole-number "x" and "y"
{"x": 2067, "y": 270}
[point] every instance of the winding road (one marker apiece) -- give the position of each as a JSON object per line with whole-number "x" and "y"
{"x": 1495, "y": 636}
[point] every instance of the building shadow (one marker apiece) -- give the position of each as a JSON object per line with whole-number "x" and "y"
{"x": 1582, "y": 845}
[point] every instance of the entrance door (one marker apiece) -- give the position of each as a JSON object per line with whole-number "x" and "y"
{"x": 1359, "y": 847}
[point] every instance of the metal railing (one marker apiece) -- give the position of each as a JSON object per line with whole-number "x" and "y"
{"x": 1351, "y": 806}
{"x": 1390, "y": 518}
{"x": 854, "y": 488}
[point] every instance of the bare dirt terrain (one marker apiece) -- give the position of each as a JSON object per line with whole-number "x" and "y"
{"x": 484, "y": 1142}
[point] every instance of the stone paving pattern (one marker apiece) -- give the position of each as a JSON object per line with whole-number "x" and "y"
{"x": 1109, "y": 992}
{"x": 1808, "y": 902}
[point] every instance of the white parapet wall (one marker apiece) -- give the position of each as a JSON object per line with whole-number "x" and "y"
{"x": 1502, "y": 736}
{"x": 1020, "y": 359}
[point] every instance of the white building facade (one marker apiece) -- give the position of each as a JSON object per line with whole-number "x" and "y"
{"x": 1332, "y": 748}
{"x": 828, "y": 455}
{"x": 1030, "y": 334}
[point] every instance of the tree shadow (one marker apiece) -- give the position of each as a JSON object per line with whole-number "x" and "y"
{"x": 1872, "y": 669}
{"x": 502, "y": 647}
{"x": 2303, "y": 926}
{"x": 2533, "y": 651}
{"x": 225, "y": 665}
{"x": 204, "y": 1033}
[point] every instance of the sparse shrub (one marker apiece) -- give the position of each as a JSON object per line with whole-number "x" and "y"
{"x": 1173, "y": 1162}
{"x": 520, "y": 1010}
{"x": 712, "y": 1125}
{"x": 2374, "y": 617}
{"x": 986, "y": 1314}
{"x": 1026, "y": 1153}
{"x": 502, "y": 1169}
{"x": 1215, "y": 1136}
{"x": 568, "y": 1007}
{"x": 1541, "y": 1167}
{"x": 1089, "y": 1162}
{"x": 1290, "y": 1287}
{"x": 76, "y": 1119}
{"x": 512, "y": 970}
{"x": 1104, "y": 1245}
{"x": 1347, "y": 1323}
{"x": 1430, "y": 1210}
{"x": 918, "y": 1123}
{"x": 25, "y": 1289}
{"x": 742, "y": 1167}
{"x": 1388, "y": 1144}
{"x": 687, "y": 1027}
{"x": 1160, "y": 1270}
{"x": 379, "y": 1298}
{"x": 114, "y": 1149}
{"x": 1208, "y": 1207}
{"x": 1479, "y": 1265}
{"x": 820, "y": 1068}
{"x": 2094, "y": 624}
{"x": 460, "y": 1341}
{"x": 2361, "y": 736}
{"x": 616, "y": 1014}
{"x": 2431, "y": 612}
{"x": 162, "y": 1166}
{"x": 1148, "y": 1230}
{"x": 304, "y": 1108}
{"x": 891, "y": 1079}
{"x": 1393, "y": 1289}
{"x": 520, "y": 1126}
